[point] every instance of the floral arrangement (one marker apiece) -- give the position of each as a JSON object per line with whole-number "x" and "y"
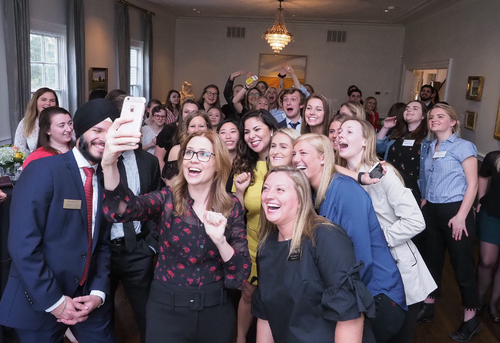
{"x": 10, "y": 158}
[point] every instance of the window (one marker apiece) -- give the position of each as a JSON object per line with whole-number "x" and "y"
{"x": 48, "y": 59}
{"x": 136, "y": 73}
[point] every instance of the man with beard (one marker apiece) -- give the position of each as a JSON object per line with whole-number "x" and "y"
{"x": 426, "y": 96}
{"x": 59, "y": 241}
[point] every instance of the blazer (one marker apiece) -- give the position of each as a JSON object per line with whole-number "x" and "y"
{"x": 149, "y": 178}
{"x": 48, "y": 243}
{"x": 401, "y": 219}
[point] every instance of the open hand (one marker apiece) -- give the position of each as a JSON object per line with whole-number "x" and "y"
{"x": 457, "y": 224}
{"x": 390, "y": 122}
{"x": 236, "y": 74}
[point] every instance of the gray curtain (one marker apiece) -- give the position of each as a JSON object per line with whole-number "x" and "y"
{"x": 76, "y": 54}
{"x": 17, "y": 47}
{"x": 147, "y": 20}
{"x": 123, "y": 36}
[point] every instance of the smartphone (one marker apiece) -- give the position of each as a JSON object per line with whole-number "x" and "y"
{"x": 251, "y": 79}
{"x": 376, "y": 172}
{"x": 133, "y": 107}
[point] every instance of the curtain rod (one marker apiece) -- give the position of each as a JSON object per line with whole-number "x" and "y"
{"x": 135, "y": 6}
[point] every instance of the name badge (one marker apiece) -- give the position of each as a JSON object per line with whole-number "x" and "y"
{"x": 295, "y": 256}
{"x": 70, "y": 204}
{"x": 439, "y": 154}
{"x": 408, "y": 142}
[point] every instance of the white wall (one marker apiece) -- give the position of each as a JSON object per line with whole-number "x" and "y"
{"x": 370, "y": 59}
{"x": 467, "y": 33}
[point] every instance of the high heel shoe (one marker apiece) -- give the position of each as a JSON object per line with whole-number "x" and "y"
{"x": 426, "y": 313}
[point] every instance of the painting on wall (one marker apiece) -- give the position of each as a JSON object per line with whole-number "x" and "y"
{"x": 270, "y": 65}
{"x": 470, "y": 120}
{"x": 497, "y": 125}
{"x": 98, "y": 78}
{"x": 475, "y": 88}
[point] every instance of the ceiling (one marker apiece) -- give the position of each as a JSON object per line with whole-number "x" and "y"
{"x": 356, "y": 11}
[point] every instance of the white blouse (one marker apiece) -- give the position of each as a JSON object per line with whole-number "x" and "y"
{"x": 26, "y": 144}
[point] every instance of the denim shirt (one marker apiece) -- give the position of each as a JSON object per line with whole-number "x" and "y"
{"x": 383, "y": 146}
{"x": 445, "y": 176}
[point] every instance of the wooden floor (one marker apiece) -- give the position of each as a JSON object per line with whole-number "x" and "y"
{"x": 449, "y": 313}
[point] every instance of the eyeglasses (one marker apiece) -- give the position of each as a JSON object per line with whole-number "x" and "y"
{"x": 253, "y": 94}
{"x": 203, "y": 156}
{"x": 159, "y": 117}
{"x": 211, "y": 93}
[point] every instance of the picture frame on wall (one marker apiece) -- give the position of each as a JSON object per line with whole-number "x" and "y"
{"x": 497, "y": 125}
{"x": 270, "y": 66}
{"x": 475, "y": 88}
{"x": 98, "y": 78}
{"x": 470, "y": 120}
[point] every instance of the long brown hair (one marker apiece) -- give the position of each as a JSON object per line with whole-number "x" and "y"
{"x": 32, "y": 111}
{"x": 419, "y": 133}
{"x": 218, "y": 199}
{"x": 327, "y": 114}
{"x": 44, "y": 122}
{"x": 306, "y": 220}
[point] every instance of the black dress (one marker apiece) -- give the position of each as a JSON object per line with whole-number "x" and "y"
{"x": 303, "y": 299}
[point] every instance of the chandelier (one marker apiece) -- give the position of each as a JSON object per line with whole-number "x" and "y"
{"x": 278, "y": 36}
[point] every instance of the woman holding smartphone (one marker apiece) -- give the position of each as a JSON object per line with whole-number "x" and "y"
{"x": 399, "y": 216}
{"x": 201, "y": 252}
{"x": 451, "y": 187}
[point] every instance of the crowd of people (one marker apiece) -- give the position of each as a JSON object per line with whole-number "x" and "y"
{"x": 267, "y": 207}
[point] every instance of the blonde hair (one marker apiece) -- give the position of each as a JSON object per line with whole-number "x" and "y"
{"x": 369, "y": 157}
{"x": 451, "y": 113}
{"x": 323, "y": 146}
{"x": 292, "y": 133}
{"x": 306, "y": 220}
{"x": 355, "y": 108}
{"x": 185, "y": 123}
{"x": 218, "y": 199}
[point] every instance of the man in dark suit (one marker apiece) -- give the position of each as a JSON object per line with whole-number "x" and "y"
{"x": 134, "y": 244}
{"x": 293, "y": 101}
{"x": 59, "y": 241}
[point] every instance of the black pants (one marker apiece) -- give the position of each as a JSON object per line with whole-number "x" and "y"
{"x": 405, "y": 334}
{"x": 388, "y": 320}
{"x": 167, "y": 323}
{"x": 135, "y": 271}
{"x": 438, "y": 238}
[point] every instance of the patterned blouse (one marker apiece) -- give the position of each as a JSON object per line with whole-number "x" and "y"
{"x": 187, "y": 256}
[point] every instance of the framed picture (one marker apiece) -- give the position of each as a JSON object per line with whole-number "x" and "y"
{"x": 470, "y": 120}
{"x": 98, "y": 78}
{"x": 270, "y": 65}
{"x": 497, "y": 125}
{"x": 475, "y": 88}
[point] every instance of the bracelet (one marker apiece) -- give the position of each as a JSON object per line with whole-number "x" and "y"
{"x": 360, "y": 174}
{"x": 64, "y": 307}
{"x": 246, "y": 87}
{"x": 279, "y": 75}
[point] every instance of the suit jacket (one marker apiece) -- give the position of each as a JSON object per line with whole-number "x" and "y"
{"x": 282, "y": 124}
{"x": 149, "y": 177}
{"x": 48, "y": 243}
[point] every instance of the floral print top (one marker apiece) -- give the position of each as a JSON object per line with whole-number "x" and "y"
{"x": 187, "y": 256}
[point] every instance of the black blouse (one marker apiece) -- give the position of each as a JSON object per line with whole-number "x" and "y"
{"x": 490, "y": 202}
{"x": 187, "y": 256}
{"x": 303, "y": 299}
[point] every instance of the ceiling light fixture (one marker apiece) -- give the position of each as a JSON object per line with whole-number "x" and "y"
{"x": 278, "y": 36}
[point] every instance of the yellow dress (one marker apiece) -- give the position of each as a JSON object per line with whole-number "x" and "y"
{"x": 252, "y": 205}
